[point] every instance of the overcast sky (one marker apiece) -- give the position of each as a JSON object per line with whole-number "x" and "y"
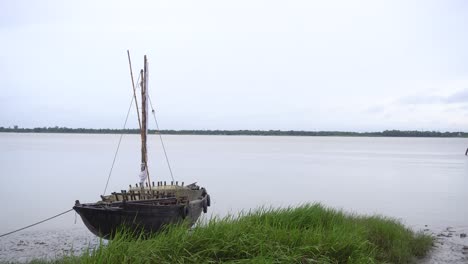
{"x": 289, "y": 65}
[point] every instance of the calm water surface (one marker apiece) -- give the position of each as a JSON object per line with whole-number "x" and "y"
{"x": 422, "y": 181}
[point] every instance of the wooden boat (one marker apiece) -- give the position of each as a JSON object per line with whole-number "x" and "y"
{"x": 146, "y": 207}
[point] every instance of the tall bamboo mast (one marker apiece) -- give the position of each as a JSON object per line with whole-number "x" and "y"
{"x": 144, "y": 118}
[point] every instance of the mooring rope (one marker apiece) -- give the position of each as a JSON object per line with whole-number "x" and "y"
{"x": 118, "y": 146}
{"x": 50, "y": 218}
{"x": 160, "y": 137}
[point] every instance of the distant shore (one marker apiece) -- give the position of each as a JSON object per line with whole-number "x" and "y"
{"x": 386, "y": 133}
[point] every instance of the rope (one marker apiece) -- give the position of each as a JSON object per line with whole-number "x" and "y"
{"x": 50, "y": 218}
{"x": 160, "y": 137}
{"x": 118, "y": 146}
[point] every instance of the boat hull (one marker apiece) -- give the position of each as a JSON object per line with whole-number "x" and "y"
{"x": 139, "y": 216}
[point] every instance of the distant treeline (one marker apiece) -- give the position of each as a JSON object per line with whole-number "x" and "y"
{"x": 386, "y": 133}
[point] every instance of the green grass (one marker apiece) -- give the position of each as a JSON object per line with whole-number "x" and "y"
{"x": 304, "y": 234}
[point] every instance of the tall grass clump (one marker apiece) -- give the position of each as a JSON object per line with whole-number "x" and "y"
{"x": 308, "y": 233}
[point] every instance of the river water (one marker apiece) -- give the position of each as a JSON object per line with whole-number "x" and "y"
{"x": 421, "y": 181}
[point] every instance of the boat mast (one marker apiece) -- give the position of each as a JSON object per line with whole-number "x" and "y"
{"x": 144, "y": 119}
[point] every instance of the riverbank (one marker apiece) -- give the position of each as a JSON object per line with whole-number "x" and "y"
{"x": 305, "y": 234}
{"x": 386, "y": 133}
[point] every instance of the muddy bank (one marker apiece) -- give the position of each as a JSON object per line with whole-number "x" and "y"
{"x": 450, "y": 246}
{"x": 46, "y": 244}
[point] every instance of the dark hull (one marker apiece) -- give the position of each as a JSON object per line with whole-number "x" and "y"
{"x": 104, "y": 220}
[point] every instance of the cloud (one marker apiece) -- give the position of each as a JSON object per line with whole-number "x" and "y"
{"x": 418, "y": 99}
{"x": 431, "y": 109}
{"x": 455, "y": 98}
{"x": 458, "y": 97}
{"x": 464, "y": 107}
